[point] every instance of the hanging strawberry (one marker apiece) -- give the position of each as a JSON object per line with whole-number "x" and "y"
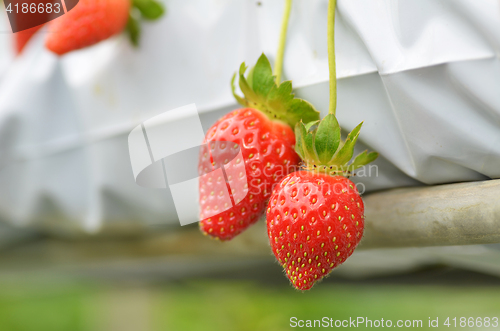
{"x": 92, "y": 21}
{"x": 263, "y": 129}
{"x": 315, "y": 217}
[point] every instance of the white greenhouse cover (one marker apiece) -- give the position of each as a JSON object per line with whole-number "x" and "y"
{"x": 424, "y": 76}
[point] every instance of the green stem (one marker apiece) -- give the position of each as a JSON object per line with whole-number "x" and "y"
{"x": 278, "y": 64}
{"x": 331, "y": 57}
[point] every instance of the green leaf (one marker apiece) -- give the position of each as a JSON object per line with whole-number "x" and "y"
{"x": 300, "y": 132}
{"x": 240, "y": 100}
{"x": 277, "y": 102}
{"x": 281, "y": 102}
{"x": 345, "y": 153}
{"x": 133, "y": 30}
{"x": 250, "y": 77}
{"x": 309, "y": 146}
{"x": 245, "y": 88}
{"x": 311, "y": 126}
{"x": 327, "y": 138}
{"x": 363, "y": 159}
{"x": 150, "y": 9}
{"x": 303, "y": 145}
{"x": 262, "y": 77}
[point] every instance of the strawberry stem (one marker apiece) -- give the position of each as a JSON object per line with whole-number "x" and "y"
{"x": 331, "y": 57}
{"x": 278, "y": 64}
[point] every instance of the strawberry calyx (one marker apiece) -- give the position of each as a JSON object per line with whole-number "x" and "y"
{"x": 150, "y": 10}
{"x": 261, "y": 92}
{"x": 321, "y": 148}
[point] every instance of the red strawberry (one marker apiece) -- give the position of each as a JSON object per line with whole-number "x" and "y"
{"x": 314, "y": 223}
{"x": 315, "y": 218}
{"x": 267, "y": 149}
{"x": 92, "y": 21}
{"x": 22, "y": 37}
{"x": 264, "y": 134}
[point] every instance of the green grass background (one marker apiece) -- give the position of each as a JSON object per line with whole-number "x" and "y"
{"x": 220, "y": 305}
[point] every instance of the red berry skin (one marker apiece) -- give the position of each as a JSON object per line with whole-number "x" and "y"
{"x": 90, "y": 22}
{"x": 267, "y": 148}
{"x": 314, "y": 222}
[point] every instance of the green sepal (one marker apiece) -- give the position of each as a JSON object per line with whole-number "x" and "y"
{"x": 240, "y": 100}
{"x": 246, "y": 89}
{"x": 320, "y": 146}
{"x": 276, "y": 101}
{"x": 150, "y": 9}
{"x": 304, "y": 141}
{"x": 345, "y": 152}
{"x": 300, "y": 132}
{"x": 363, "y": 159}
{"x": 309, "y": 145}
{"x": 327, "y": 138}
{"x": 133, "y": 30}
{"x": 142, "y": 9}
{"x": 261, "y": 77}
{"x": 304, "y": 138}
{"x": 311, "y": 125}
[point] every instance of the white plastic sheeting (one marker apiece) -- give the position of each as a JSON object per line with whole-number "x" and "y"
{"x": 424, "y": 75}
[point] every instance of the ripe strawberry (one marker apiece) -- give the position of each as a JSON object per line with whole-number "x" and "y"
{"x": 267, "y": 148}
{"x": 21, "y": 38}
{"x": 264, "y": 134}
{"x": 314, "y": 223}
{"x": 315, "y": 218}
{"x": 92, "y": 21}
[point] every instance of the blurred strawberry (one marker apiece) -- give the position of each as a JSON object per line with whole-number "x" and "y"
{"x": 92, "y": 21}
